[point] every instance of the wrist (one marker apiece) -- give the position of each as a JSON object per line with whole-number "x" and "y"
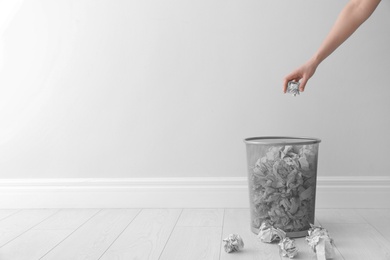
{"x": 315, "y": 60}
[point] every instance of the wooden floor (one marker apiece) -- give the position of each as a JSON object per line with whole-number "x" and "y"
{"x": 168, "y": 234}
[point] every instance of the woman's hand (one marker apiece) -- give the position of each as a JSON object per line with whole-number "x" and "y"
{"x": 303, "y": 73}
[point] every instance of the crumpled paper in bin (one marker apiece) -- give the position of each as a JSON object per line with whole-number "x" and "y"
{"x": 321, "y": 243}
{"x": 283, "y": 181}
{"x": 269, "y": 234}
{"x": 288, "y": 248}
{"x": 233, "y": 243}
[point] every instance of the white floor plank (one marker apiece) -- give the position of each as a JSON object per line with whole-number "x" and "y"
{"x": 37, "y": 241}
{"x": 197, "y": 235}
{"x": 169, "y": 234}
{"x": 237, "y": 221}
{"x": 4, "y": 213}
{"x": 92, "y": 239}
{"x": 201, "y": 218}
{"x": 326, "y": 216}
{"x": 16, "y": 224}
{"x": 379, "y": 219}
{"x": 359, "y": 241}
{"x": 145, "y": 237}
{"x": 67, "y": 219}
{"x": 193, "y": 243}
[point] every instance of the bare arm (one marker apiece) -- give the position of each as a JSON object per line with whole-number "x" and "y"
{"x": 350, "y": 18}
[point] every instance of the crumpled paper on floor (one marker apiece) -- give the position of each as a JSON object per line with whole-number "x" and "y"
{"x": 233, "y": 243}
{"x": 288, "y": 248}
{"x": 293, "y": 88}
{"x": 321, "y": 242}
{"x": 269, "y": 234}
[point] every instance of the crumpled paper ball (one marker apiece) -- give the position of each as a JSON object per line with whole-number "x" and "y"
{"x": 321, "y": 242}
{"x": 269, "y": 234}
{"x": 293, "y": 88}
{"x": 288, "y": 248}
{"x": 233, "y": 243}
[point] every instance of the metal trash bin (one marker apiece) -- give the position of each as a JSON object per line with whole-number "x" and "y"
{"x": 282, "y": 177}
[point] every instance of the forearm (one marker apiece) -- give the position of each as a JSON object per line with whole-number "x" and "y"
{"x": 350, "y": 18}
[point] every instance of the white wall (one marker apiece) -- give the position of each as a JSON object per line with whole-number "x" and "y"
{"x": 100, "y": 88}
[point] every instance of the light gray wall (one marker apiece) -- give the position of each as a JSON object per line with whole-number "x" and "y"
{"x": 100, "y": 88}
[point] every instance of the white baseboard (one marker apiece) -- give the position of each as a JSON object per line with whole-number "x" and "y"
{"x": 332, "y": 192}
